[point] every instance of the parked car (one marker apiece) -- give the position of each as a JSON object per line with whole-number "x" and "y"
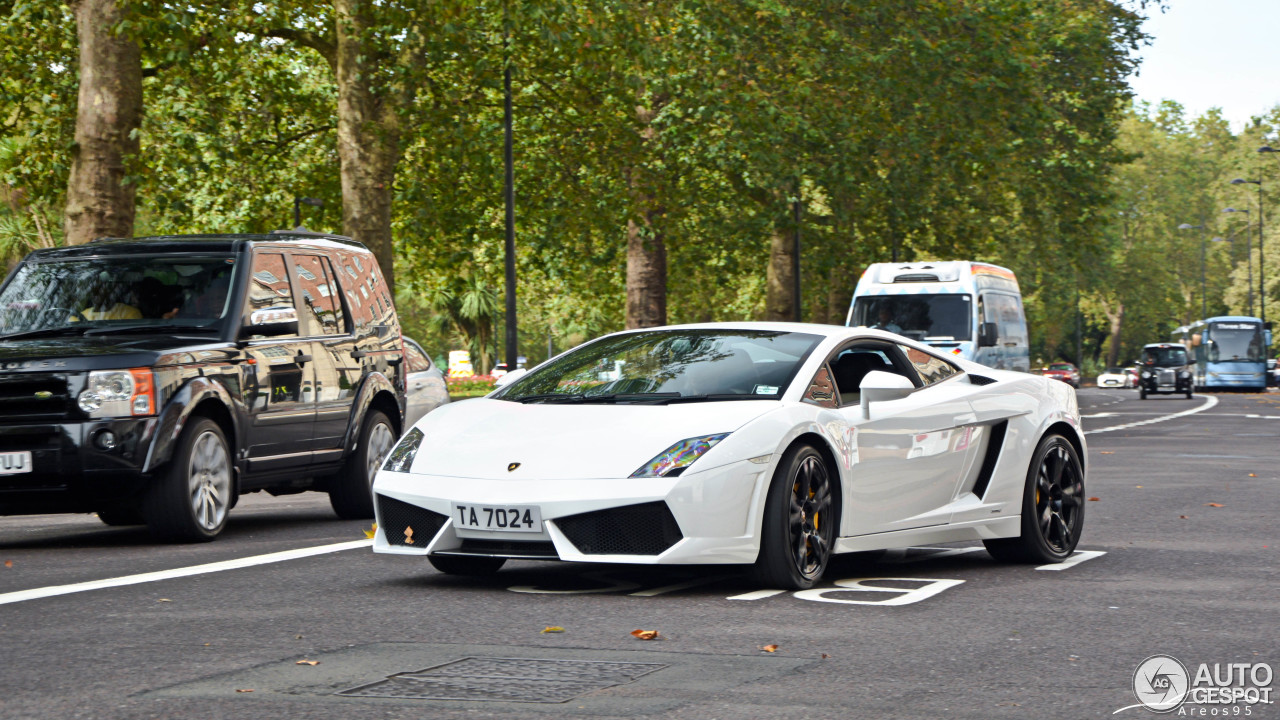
{"x": 1132, "y": 372}
{"x": 1115, "y": 378}
{"x": 157, "y": 380}
{"x": 1273, "y": 373}
{"x": 427, "y": 387}
{"x": 773, "y": 444}
{"x": 1064, "y": 371}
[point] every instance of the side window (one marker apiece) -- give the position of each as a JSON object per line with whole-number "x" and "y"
{"x": 269, "y": 283}
{"x": 321, "y": 304}
{"x": 932, "y": 369}
{"x": 1006, "y": 310}
{"x": 851, "y": 365}
{"x": 821, "y": 390}
{"x": 417, "y": 361}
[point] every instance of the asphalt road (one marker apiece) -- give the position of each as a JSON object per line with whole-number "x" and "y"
{"x": 1181, "y": 559}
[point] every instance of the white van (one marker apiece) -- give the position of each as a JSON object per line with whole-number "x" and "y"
{"x": 972, "y": 310}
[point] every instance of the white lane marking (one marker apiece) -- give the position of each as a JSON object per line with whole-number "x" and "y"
{"x": 52, "y": 590}
{"x": 756, "y": 595}
{"x": 1079, "y": 557}
{"x": 1211, "y": 401}
{"x": 902, "y": 596}
{"x": 1100, "y": 415}
{"x": 679, "y": 586}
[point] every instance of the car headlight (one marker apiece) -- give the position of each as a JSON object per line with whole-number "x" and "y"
{"x": 1146, "y": 374}
{"x": 401, "y": 457}
{"x": 1185, "y": 374}
{"x": 118, "y": 393}
{"x": 675, "y": 459}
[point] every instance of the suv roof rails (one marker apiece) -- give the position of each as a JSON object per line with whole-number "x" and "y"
{"x": 303, "y": 232}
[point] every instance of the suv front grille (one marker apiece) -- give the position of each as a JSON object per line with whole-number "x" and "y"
{"x": 646, "y": 529}
{"x": 408, "y": 525}
{"x": 30, "y": 396}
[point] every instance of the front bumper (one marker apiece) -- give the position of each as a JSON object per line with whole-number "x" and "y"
{"x": 69, "y": 472}
{"x": 714, "y": 516}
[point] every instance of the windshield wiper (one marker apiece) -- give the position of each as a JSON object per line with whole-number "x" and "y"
{"x": 714, "y": 397}
{"x": 50, "y": 332}
{"x": 609, "y": 398}
{"x": 148, "y": 328}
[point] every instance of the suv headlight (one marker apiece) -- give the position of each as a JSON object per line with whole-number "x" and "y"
{"x": 675, "y": 459}
{"x": 118, "y": 393}
{"x": 401, "y": 458}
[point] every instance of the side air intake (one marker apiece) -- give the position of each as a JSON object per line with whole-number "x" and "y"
{"x": 646, "y": 529}
{"x": 994, "y": 446}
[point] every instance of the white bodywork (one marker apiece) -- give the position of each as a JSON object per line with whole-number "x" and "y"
{"x": 907, "y": 473}
{"x": 1115, "y": 380}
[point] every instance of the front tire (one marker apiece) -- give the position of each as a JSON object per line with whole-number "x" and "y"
{"x": 469, "y": 566}
{"x": 190, "y": 500}
{"x": 351, "y": 491}
{"x": 1052, "y": 507}
{"x": 798, "y": 529}
{"x": 1142, "y": 392}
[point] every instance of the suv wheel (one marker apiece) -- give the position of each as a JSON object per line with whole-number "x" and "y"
{"x": 351, "y": 490}
{"x": 190, "y": 499}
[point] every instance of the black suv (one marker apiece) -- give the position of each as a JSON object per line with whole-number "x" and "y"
{"x": 155, "y": 380}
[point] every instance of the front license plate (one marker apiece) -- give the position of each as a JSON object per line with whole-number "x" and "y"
{"x": 505, "y": 518}
{"x": 12, "y": 463}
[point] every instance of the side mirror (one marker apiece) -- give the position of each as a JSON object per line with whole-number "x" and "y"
{"x": 988, "y": 333}
{"x": 271, "y": 322}
{"x": 880, "y": 386}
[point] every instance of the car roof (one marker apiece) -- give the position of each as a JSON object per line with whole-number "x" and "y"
{"x": 215, "y": 243}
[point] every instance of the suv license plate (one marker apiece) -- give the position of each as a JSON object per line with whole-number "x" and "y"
{"x": 12, "y": 463}
{"x": 505, "y": 518}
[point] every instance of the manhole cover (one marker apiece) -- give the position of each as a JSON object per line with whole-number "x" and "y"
{"x": 506, "y": 679}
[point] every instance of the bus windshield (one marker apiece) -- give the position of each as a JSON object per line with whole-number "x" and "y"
{"x": 919, "y": 317}
{"x": 1235, "y": 342}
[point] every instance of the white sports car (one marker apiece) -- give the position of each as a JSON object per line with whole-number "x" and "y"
{"x": 1115, "y": 378}
{"x": 765, "y": 444}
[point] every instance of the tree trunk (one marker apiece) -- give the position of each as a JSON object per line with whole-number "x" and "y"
{"x": 780, "y": 277}
{"x": 1115, "y": 321}
{"x": 368, "y": 138}
{"x": 646, "y": 274}
{"x": 100, "y": 200}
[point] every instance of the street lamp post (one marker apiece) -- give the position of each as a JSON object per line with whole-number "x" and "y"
{"x": 1204, "y": 304}
{"x": 1248, "y": 256}
{"x": 1262, "y": 272}
{"x": 298, "y": 202}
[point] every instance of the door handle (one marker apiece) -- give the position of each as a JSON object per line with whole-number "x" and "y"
{"x": 301, "y": 358}
{"x": 357, "y": 354}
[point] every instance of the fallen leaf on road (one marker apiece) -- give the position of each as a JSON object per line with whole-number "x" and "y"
{"x": 1183, "y": 517}
{"x": 825, "y": 656}
{"x": 1214, "y": 505}
{"x": 297, "y": 637}
{"x": 770, "y": 648}
{"x": 1138, "y": 486}
{"x": 371, "y": 531}
{"x": 1094, "y": 499}
{"x": 244, "y": 690}
{"x": 164, "y": 600}
{"x": 553, "y": 629}
{"x": 1108, "y": 452}
{"x": 8, "y": 563}
{"x": 1252, "y": 475}
{"x": 645, "y": 634}
{"x": 308, "y": 662}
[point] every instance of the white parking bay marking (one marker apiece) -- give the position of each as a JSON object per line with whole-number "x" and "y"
{"x": 757, "y": 595}
{"x": 1079, "y": 557}
{"x": 901, "y": 596}
{"x": 52, "y": 590}
{"x": 1211, "y": 401}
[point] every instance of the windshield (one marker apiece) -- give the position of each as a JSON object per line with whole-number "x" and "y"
{"x": 920, "y": 317}
{"x": 1164, "y": 357}
{"x": 103, "y": 293}
{"x": 1235, "y": 342}
{"x": 1062, "y": 366}
{"x": 668, "y": 365}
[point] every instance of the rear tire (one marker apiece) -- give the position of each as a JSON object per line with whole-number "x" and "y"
{"x": 190, "y": 500}
{"x": 351, "y": 490}
{"x": 470, "y": 566}
{"x": 1052, "y": 507}
{"x": 798, "y": 529}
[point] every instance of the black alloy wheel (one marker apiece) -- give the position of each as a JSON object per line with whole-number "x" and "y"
{"x": 1052, "y": 507}
{"x": 798, "y": 530}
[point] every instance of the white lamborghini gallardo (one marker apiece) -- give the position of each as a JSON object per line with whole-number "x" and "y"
{"x": 765, "y": 444}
